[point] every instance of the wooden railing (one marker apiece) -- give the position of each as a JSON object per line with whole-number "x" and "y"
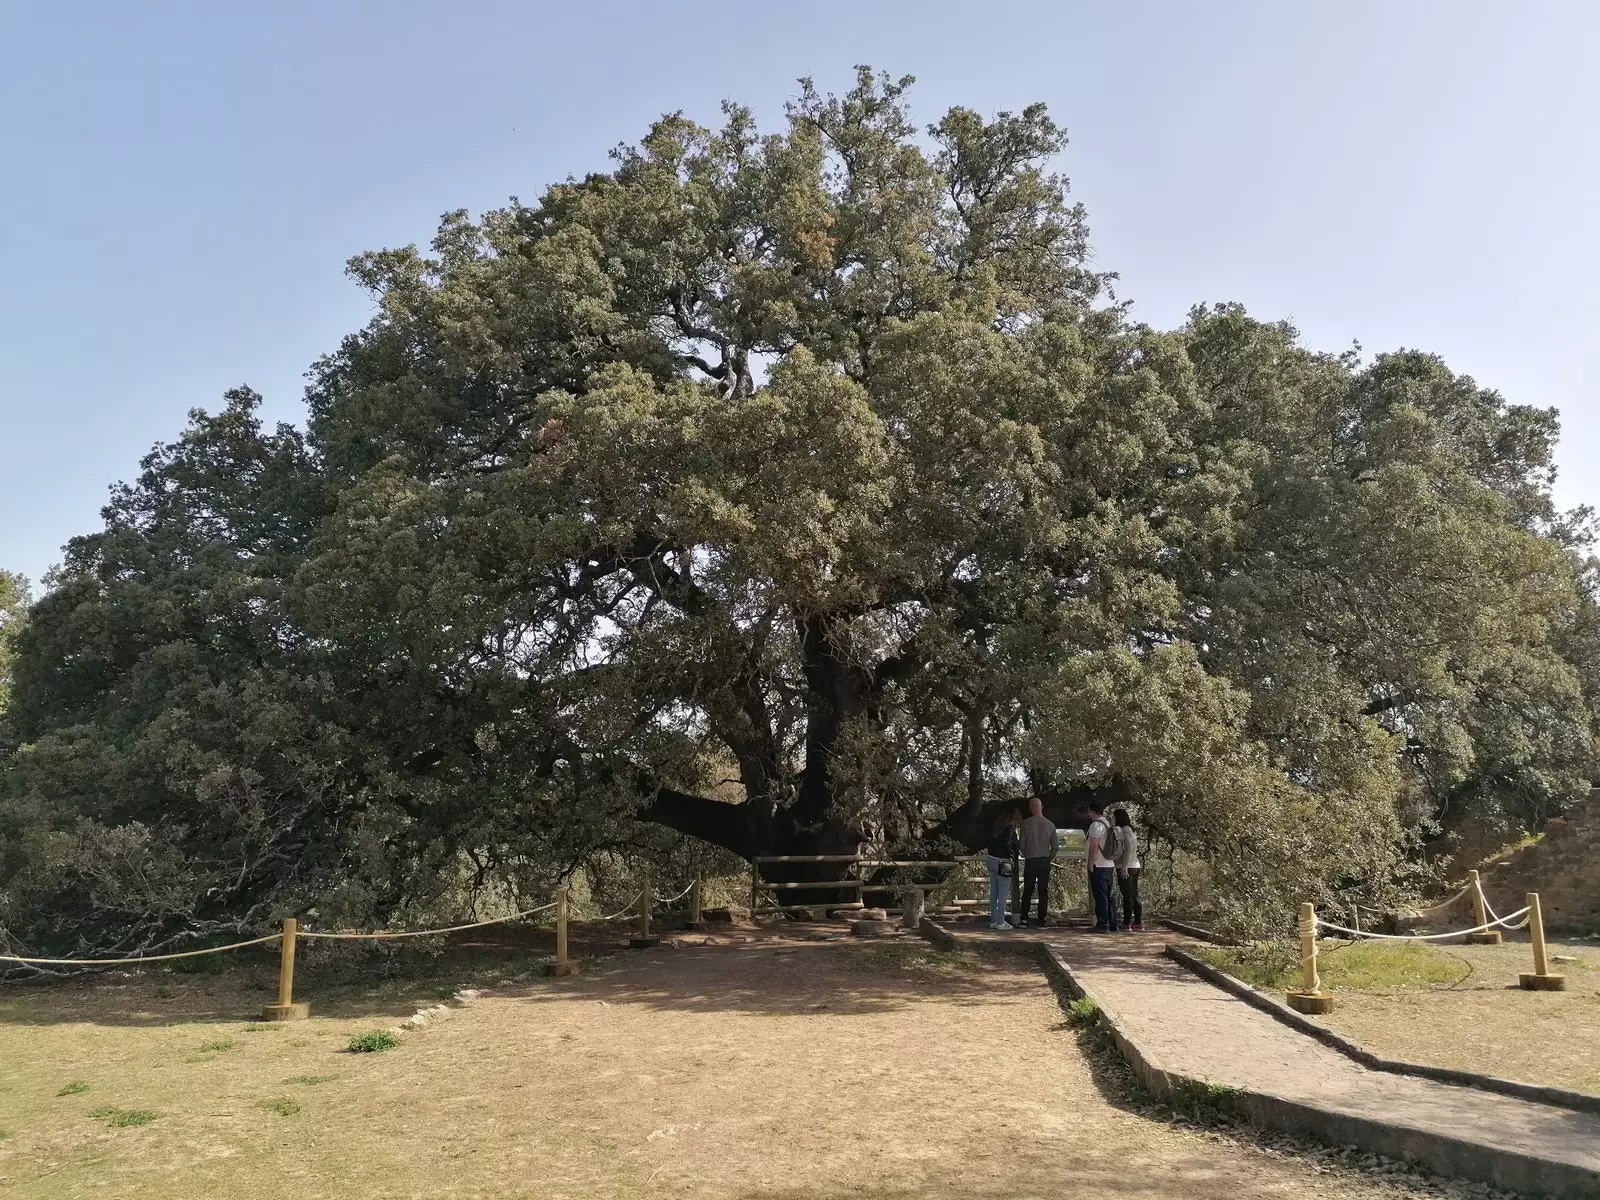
{"x": 964, "y": 873}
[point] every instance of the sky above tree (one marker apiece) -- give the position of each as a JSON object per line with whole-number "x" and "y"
{"x": 187, "y": 181}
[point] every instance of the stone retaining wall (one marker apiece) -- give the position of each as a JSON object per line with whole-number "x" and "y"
{"x": 1563, "y": 867}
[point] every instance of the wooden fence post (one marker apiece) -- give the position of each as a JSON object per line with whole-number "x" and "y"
{"x": 286, "y": 1009}
{"x": 1310, "y": 998}
{"x": 1541, "y": 980}
{"x": 755, "y": 885}
{"x": 646, "y": 894}
{"x": 697, "y": 918}
{"x": 1480, "y": 913}
{"x": 563, "y": 965}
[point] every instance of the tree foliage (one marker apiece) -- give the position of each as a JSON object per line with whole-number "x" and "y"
{"x": 13, "y": 612}
{"x": 793, "y": 491}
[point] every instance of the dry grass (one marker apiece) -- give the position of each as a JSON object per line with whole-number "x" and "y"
{"x": 762, "y": 1068}
{"x": 1457, "y": 1006}
{"x": 1485, "y": 1022}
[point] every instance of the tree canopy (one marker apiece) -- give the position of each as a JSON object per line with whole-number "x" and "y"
{"x": 792, "y": 491}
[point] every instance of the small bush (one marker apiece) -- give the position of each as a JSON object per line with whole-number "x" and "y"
{"x": 73, "y": 1088}
{"x": 219, "y": 1044}
{"x": 369, "y": 1043}
{"x": 163, "y": 992}
{"x": 309, "y": 1079}
{"x": 262, "y": 1026}
{"x": 121, "y": 1118}
{"x": 1083, "y": 1013}
{"x": 281, "y": 1105}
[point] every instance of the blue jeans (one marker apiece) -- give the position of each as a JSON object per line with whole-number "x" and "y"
{"x": 999, "y": 891}
{"x": 1102, "y": 884}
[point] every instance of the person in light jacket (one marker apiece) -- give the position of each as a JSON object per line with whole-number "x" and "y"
{"x": 1102, "y": 869}
{"x": 1127, "y": 860}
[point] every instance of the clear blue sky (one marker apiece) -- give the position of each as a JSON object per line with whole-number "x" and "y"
{"x": 183, "y": 182}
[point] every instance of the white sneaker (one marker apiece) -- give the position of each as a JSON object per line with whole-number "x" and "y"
{"x": 1003, "y": 927}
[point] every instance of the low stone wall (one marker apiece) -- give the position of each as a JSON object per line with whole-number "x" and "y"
{"x": 1563, "y": 867}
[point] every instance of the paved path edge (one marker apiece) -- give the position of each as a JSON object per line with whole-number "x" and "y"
{"x": 1538, "y": 1093}
{"x": 1439, "y": 1152}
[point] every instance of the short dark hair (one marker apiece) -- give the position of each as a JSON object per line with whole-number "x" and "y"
{"x": 1097, "y": 808}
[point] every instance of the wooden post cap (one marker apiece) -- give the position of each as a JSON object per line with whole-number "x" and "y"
{"x": 286, "y": 1012}
{"x": 1543, "y": 983}
{"x": 1311, "y": 1003}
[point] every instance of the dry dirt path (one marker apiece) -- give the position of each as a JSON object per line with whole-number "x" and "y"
{"x": 1196, "y": 1029}
{"x": 761, "y": 1069}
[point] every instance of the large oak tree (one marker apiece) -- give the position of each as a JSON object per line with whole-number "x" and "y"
{"x": 794, "y": 491}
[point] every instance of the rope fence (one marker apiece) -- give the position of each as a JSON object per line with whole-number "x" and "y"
{"x": 679, "y": 896}
{"x": 1311, "y": 998}
{"x": 286, "y": 1009}
{"x": 136, "y": 958}
{"x": 626, "y": 909}
{"x": 1423, "y": 937}
{"x": 388, "y": 935}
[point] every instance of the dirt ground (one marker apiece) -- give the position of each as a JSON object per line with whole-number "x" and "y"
{"x": 802, "y": 1066}
{"x": 1483, "y": 1021}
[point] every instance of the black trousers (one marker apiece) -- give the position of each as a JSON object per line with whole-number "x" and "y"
{"x": 1128, "y": 885}
{"x": 1036, "y": 873}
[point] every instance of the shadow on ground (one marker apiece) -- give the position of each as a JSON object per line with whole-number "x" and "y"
{"x": 725, "y": 970}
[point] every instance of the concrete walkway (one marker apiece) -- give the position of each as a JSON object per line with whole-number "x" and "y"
{"x": 1189, "y": 1028}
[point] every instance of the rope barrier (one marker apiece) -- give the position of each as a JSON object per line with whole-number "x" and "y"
{"x": 625, "y": 911}
{"x": 1522, "y": 924}
{"x": 384, "y": 936}
{"x": 1431, "y": 937}
{"x": 1444, "y": 904}
{"x": 138, "y": 958}
{"x": 271, "y": 937}
{"x": 675, "y": 899}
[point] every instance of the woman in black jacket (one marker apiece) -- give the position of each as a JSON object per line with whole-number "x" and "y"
{"x": 1005, "y": 843}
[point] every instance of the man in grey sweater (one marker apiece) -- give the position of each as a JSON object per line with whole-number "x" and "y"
{"x": 1039, "y": 843}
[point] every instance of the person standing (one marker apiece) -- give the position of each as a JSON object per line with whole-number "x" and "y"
{"x": 1004, "y": 843}
{"x": 1127, "y": 860}
{"x": 1040, "y": 841}
{"x": 1102, "y": 869}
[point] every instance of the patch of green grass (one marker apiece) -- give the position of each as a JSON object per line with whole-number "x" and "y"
{"x": 121, "y": 1118}
{"x": 73, "y": 1088}
{"x": 163, "y": 992}
{"x": 204, "y": 964}
{"x": 369, "y": 1043}
{"x": 1205, "y": 1099}
{"x": 281, "y": 1105}
{"x": 1364, "y": 966}
{"x": 310, "y": 1079}
{"x": 218, "y": 1045}
{"x": 1510, "y": 848}
{"x": 1082, "y": 1013}
{"x": 262, "y": 1026}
